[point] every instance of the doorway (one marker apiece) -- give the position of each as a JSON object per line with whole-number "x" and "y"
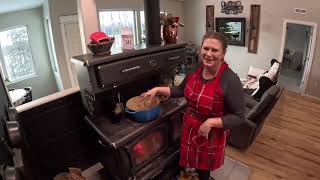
{"x": 297, "y": 48}
{"x": 71, "y": 43}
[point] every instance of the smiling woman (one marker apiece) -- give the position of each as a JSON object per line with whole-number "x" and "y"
{"x": 215, "y": 103}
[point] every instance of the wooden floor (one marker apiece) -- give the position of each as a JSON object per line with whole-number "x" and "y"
{"x": 288, "y": 146}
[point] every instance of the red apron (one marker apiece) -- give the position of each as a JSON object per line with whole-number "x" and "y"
{"x": 205, "y": 100}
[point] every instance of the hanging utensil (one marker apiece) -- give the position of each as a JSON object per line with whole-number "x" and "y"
{"x": 119, "y": 108}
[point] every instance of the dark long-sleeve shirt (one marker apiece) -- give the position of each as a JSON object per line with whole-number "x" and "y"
{"x": 233, "y": 97}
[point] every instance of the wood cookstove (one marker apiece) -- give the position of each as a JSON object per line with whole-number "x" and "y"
{"x": 128, "y": 149}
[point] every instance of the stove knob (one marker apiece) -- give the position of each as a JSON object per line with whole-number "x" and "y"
{"x": 153, "y": 62}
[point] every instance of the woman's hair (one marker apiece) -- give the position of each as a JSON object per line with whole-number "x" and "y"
{"x": 218, "y": 36}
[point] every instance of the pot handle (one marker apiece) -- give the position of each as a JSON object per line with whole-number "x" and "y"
{"x": 130, "y": 111}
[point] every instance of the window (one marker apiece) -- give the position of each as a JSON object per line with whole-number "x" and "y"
{"x": 15, "y": 56}
{"x": 112, "y": 22}
{"x": 142, "y": 25}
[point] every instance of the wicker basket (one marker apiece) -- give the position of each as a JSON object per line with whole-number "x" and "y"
{"x": 101, "y": 49}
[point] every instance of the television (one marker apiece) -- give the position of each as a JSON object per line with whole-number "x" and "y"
{"x": 233, "y": 28}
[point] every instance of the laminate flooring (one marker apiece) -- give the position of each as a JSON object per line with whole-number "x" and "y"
{"x": 288, "y": 146}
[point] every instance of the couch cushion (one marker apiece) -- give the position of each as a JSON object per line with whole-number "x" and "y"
{"x": 247, "y": 110}
{"x": 250, "y": 101}
{"x": 265, "y": 101}
{"x": 264, "y": 84}
{"x": 255, "y": 72}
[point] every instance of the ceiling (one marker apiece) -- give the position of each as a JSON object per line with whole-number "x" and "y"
{"x": 15, "y": 5}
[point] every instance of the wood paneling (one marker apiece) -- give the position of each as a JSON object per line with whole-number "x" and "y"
{"x": 288, "y": 146}
{"x": 57, "y": 138}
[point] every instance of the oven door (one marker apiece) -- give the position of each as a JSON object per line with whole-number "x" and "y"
{"x": 148, "y": 146}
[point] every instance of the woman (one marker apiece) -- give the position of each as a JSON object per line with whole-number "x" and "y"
{"x": 215, "y": 103}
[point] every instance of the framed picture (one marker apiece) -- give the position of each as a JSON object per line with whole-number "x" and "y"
{"x": 234, "y": 29}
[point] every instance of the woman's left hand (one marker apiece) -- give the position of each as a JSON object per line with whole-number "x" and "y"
{"x": 208, "y": 124}
{"x": 205, "y": 129}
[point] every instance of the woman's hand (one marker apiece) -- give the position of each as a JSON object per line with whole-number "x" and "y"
{"x": 208, "y": 124}
{"x": 151, "y": 93}
{"x": 205, "y": 129}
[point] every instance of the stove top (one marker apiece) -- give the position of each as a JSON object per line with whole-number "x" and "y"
{"x": 119, "y": 134}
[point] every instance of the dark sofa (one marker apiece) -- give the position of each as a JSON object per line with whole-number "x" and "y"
{"x": 256, "y": 113}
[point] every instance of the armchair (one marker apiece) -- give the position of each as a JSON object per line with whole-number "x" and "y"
{"x": 255, "y": 115}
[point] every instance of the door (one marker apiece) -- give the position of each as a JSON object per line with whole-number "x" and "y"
{"x": 296, "y": 56}
{"x": 52, "y": 54}
{"x": 308, "y": 43}
{"x": 71, "y": 43}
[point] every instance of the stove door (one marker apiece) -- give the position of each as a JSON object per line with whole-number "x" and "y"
{"x": 149, "y": 146}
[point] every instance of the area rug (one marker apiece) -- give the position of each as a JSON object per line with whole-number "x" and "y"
{"x": 232, "y": 170}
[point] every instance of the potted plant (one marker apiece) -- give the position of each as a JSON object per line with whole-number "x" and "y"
{"x": 170, "y": 26}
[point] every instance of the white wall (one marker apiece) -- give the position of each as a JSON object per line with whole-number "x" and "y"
{"x": 32, "y": 18}
{"x": 273, "y": 13}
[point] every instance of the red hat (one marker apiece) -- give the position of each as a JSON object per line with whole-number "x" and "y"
{"x": 99, "y": 37}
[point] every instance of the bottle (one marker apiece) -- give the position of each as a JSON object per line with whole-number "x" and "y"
{"x": 127, "y": 38}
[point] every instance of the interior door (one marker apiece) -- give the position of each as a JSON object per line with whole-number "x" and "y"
{"x": 71, "y": 42}
{"x": 306, "y": 59}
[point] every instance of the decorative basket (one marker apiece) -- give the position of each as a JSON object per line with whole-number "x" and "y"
{"x": 102, "y": 48}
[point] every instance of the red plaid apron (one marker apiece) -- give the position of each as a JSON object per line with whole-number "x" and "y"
{"x": 205, "y": 100}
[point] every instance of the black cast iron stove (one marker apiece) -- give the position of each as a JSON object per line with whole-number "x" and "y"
{"x": 128, "y": 149}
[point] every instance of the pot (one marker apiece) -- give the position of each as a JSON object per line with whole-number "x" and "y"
{"x": 142, "y": 110}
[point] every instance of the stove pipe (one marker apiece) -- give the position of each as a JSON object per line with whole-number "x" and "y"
{"x": 152, "y": 19}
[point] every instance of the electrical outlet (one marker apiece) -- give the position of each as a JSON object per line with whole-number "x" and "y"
{"x": 296, "y": 11}
{"x": 299, "y": 11}
{"x": 303, "y": 11}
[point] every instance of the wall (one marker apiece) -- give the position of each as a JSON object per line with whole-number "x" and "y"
{"x": 33, "y": 20}
{"x": 173, "y": 7}
{"x": 59, "y": 8}
{"x": 273, "y": 14}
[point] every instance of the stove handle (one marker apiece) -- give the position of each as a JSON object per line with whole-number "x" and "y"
{"x": 173, "y": 58}
{"x": 101, "y": 143}
{"x": 131, "y": 69}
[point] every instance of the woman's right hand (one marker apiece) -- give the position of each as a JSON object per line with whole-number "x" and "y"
{"x": 151, "y": 93}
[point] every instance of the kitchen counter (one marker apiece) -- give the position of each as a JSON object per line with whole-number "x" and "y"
{"x": 119, "y": 134}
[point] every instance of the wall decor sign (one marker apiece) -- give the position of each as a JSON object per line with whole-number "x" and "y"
{"x": 254, "y": 28}
{"x": 210, "y": 18}
{"x": 231, "y": 7}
